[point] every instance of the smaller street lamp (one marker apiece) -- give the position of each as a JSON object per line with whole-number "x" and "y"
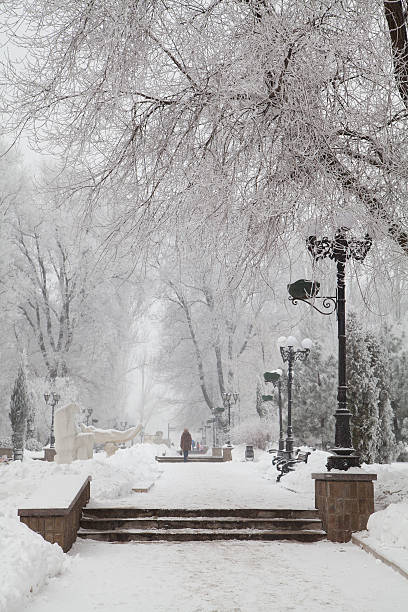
{"x": 169, "y": 429}
{"x": 227, "y": 397}
{"x": 52, "y": 399}
{"x": 275, "y": 377}
{"x": 290, "y": 353}
{"x": 89, "y": 412}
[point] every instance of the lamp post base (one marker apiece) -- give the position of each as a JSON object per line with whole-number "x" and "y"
{"x": 342, "y": 461}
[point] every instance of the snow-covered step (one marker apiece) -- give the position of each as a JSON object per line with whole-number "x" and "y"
{"x": 133, "y": 512}
{"x": 195, "y": 459}
{"x": 279, "y": 523}
{"x": 126, "y": 524}
{"x": 188, "y": 535}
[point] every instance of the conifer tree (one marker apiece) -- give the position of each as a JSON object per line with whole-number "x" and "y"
{"x": 19, "y": 406}
{"x": 398, "y": 364}
{"x": 386, "y": 446}
{"x": 315, "y": 399}
{"x": 362, "y": 393}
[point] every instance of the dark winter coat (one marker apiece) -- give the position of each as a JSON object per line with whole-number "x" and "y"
{"x": 185, "y": 441}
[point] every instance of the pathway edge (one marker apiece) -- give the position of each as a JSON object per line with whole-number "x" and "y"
{"x": 372, "y": 551}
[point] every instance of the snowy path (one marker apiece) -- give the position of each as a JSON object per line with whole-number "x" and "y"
{"x": 216, "y": 485}
{"x": 227, "y": 577}
{"x": 221, "y": 576}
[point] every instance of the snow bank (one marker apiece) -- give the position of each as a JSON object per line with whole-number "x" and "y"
{"x": 27, "y": 562}
{"x": 112, "y": 477}
{"x": 391, "y": 485}
{"x": 390, "y": 526}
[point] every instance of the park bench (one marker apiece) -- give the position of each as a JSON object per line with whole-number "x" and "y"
{"x": 285, "y": 465}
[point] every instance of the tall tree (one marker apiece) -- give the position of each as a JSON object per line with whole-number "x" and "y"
{"x": 291, "y": 104}
{"x": 19, "y": 409}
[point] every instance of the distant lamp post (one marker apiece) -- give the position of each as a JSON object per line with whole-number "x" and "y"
{"x": 169, "y": 429}
{"x": 275, "y": 377}
{"x": 228, "y": 397}
{"x": 290, "y": 353}
{"x": 52, "y": 399}
{"x": 340, "y": 249}
{"x": 89, "y": 412}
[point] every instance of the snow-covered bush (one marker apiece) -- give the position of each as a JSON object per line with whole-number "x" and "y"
{"x": 6, "y": 442}
{"x": 33, "y": 445}
{"x": 255, "y": 431}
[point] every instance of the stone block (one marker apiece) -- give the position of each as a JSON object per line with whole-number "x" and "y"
{"x": 58, "y": 525}
{"x": 227, "y": 453}
{"x": 49, "y": 454}
{"x": 345, "y": 502}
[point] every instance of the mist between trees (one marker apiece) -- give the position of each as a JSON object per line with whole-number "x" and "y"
{"x": 190, "y": 148}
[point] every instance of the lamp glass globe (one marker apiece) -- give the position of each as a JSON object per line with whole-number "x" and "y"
{"x": 307, "y": 343}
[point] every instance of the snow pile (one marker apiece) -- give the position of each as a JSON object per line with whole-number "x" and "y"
{"x": 115, "y": 476}
{"x": 390, "y": 526}
{"x": 27, "y": 562}
{"x": 112, "y": 477}
{"x": 391, "y": 485}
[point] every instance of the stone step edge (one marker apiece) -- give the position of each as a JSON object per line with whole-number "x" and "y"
{"x": 380, "y": 556}
{"x": 98, "y": 509}
{"x": 203, "y": 519}
{"x": 144, "y": 489}
{"x": 82, "y": 531}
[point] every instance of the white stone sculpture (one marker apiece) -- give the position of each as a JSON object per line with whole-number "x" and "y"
{"x": 110, "y": 437}
{"x": 71, "y": 444}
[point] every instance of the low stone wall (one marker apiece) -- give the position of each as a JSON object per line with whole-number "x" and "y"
{"x": 344, "y": 501}
{"x": 58, "y": 525}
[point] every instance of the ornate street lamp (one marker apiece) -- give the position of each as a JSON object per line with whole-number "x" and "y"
{"x": 290, "y": 353}
{"x": 52, "y": 398}
{"x": 340, "y": 249}
{"x": 275, "y": 377}
{"x": 227, "y": 398}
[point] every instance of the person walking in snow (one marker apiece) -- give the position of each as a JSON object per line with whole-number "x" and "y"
{"x": 185, "y": 443}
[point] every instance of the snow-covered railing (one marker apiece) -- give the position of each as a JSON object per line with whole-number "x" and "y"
{"x": 55, "y": 510}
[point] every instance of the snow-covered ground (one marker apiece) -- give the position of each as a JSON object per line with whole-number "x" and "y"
{"x": 222, "y": 577}
{"x": 27, "y": 561}
{"x": 209, "y": 576}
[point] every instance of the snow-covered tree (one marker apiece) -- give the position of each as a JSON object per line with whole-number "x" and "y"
{"x": 315, "y": 401}
{"x": 19, "y": 409}
{"x": 369, "y": 394}
{"x": 296, "y": 106}
{"x": 387, "y": 446}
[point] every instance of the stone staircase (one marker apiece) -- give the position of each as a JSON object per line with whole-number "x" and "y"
{"x": 191, "y": 459}
{"x": 186, "y": 525}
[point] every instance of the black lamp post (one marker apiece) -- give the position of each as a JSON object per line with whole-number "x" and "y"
{"x": 290, "y": 354}
{"x": 275, "y": 377}
{"x": 227, "y": 398}
{"x": 89, "y": 412}
{"x": 340, "y": 249}
{"x": 52, "y": 398}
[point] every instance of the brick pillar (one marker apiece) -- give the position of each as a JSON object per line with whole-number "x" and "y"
{"x": 227, "y": 453}
{"x": 49, "y": 454}
{"x": 344, "y": 501}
